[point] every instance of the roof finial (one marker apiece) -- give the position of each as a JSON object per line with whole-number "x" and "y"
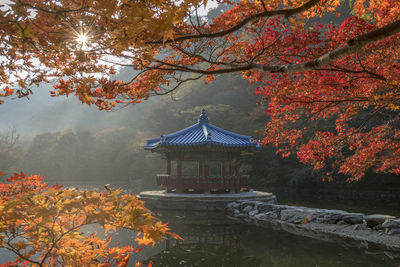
{"x": 203, "y": 116}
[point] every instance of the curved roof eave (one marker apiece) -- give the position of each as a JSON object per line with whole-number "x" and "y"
{"x": 208, "y": 134}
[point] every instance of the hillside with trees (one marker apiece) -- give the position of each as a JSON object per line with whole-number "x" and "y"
{"x": 110, "y": 148}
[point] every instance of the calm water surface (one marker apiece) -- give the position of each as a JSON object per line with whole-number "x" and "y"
{"x": 210, "y": 239}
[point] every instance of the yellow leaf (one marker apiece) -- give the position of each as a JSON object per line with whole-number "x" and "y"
{"x": 2, "y": 244}
{"x": 168, "y": 35}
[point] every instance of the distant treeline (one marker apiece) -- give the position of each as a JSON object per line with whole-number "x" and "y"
{"x": 111, "y": 152}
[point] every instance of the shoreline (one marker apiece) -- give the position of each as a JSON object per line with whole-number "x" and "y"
{"x": 372, "y": 232}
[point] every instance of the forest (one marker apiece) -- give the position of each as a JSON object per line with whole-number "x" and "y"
{"x": 57, "y": 142}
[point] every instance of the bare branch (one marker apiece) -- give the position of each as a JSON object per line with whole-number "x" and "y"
{"x": 283, "y": 12}
{"x": 177, "y": 85}
{"x": 263, "y": 4}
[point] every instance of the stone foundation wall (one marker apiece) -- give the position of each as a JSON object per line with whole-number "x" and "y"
{"x": 382, "y": 230}
{"x": 200, "y": 202}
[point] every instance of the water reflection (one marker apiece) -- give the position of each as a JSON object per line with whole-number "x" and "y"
{"x": 280, "y": 248}
{"x": 211, "y": 239}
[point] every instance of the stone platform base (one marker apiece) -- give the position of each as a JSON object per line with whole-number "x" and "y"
{"x": 200, "y": 202}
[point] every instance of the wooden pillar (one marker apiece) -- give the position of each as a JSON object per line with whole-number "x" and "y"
{"x": 230, "y": 169}
{"x": 169, "y": 166}
{"x": 237, "y": 169}
{"x": 223, "y": 169}
{"x": 179, "y": 169}
{"x": 206, "y": 168}
{"x": 200, "y": 168}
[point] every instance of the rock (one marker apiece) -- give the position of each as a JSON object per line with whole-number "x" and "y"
{"x": 327, "y": 216}
{"x": 261, "y": 217}
{"x": 378, "y": 228}
{"x": 391, "y": 223}
{"x": 278, "y": 208}
{"x": 236, "y": 212}
{"x": 393, "y": 231}
{"x": 283, "y": 207}
{"x": 271, "y": 215}
{"x": 232, "y": 206}
{"x": 265, "y": 207}
{"x": 294, "y": 215}
{"x": 353, "y": 218}
{"x": 359, "y": 227}
{"x": 257, "y": 203}
{"x": 247, "y": 209}
{"x": 244, "y": 204}
{"x": 333, "y": 218}
{"x": 253, "y": 212}
{"x": 376, "y": 219}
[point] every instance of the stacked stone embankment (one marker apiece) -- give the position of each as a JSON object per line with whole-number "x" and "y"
{"x": 163, "y": 200}
{"x": 376, "y": 229}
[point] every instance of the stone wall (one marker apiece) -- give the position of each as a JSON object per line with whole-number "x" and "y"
{"x": 162, "y": 200}
{"x": 382, "y": 230}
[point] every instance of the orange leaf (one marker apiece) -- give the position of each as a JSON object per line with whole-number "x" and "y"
{"x": 144, "y": 241}
{"x": 175, "y": 236}
{"x": 109, "y": 227}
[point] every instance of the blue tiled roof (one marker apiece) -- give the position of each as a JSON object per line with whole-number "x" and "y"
{"x": 203, "y": 133}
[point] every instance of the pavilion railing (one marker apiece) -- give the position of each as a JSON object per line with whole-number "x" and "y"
{"x": 203, "y": 183}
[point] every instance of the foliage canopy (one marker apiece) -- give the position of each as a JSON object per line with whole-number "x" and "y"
{"x": 308, "y": 70}
{"x": 43, "y": 224}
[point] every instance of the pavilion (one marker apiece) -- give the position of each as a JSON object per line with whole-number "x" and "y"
{"x": 203, "y": 159}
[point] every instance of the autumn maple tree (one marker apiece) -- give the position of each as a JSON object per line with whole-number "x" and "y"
{"x": 309, "y": 71}
{"x": 43, "y": 225}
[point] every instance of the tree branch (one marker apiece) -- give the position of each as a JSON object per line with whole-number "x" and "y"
{"x": 283, "y": 12}
{"x": 172, "y": 67}
{"x": 353, "y": 45}
{"x": 177, "y": 85}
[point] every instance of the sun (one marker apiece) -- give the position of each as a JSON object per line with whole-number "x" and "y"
{"x": 82, "y": 39}
{"x": 82, "y": 36}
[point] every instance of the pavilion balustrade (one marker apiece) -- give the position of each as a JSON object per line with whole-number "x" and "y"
{"x": 203, "y": 183}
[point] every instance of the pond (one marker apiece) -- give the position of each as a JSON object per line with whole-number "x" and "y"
{"x": 361, "y": 200}
{"x": 212, "y": 239}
